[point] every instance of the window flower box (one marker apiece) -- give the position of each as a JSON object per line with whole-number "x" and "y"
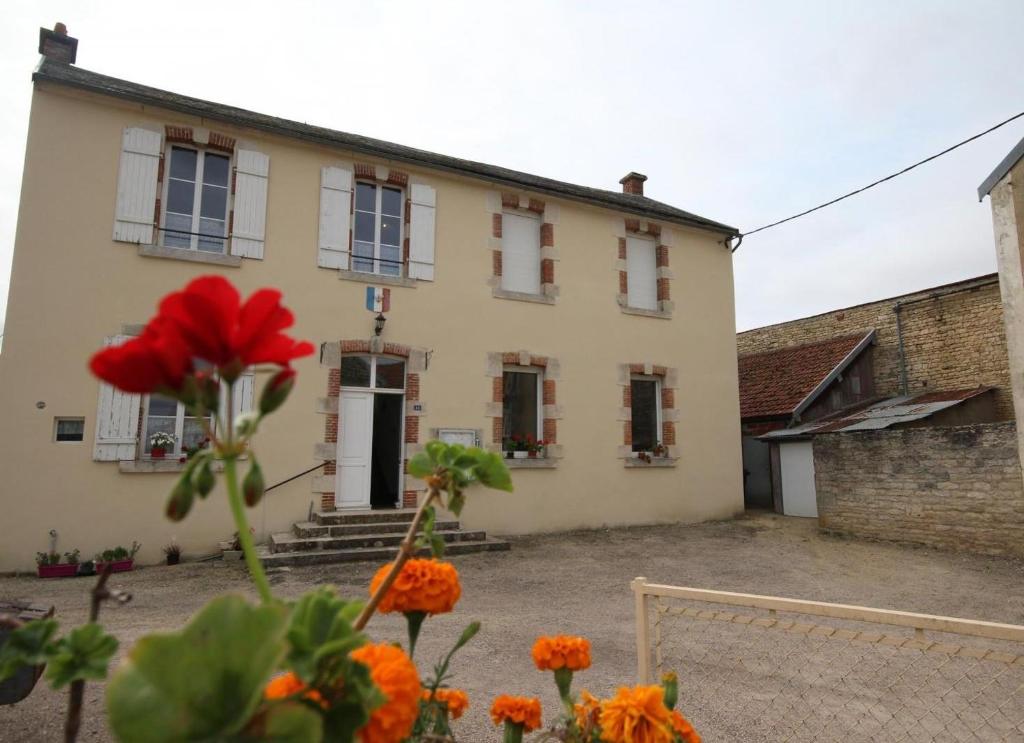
{"x": 60, "y": 570}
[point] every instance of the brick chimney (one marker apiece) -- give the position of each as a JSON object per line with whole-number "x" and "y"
{"x": 57, "y": 45}
{"x": 633, "y": 183}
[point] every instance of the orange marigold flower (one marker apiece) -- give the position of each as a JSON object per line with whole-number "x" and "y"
{"x": 396, "y": 676}
{"x": 561, "y": 651}
{"x": 522, "y": 710}
{"x": 456, "y": 701}
{"x": 636, "y": 715}
{"x": 287, "y": 685}
{"x": 422, "y": 585}
{"x": 587, "y": 710}
{"x": 683, "y": 728}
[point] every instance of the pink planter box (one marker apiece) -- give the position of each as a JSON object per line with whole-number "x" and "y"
{"x": 62, "y": 570}
{"x": 117, "y": 566}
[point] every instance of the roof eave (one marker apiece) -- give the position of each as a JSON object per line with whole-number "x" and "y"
{"x": 297, "y": 130}
{"x": 813, "y": 395}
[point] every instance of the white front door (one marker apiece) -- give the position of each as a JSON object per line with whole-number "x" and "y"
{"x": 355, "y": 437}
{"x": 799, "y": 497}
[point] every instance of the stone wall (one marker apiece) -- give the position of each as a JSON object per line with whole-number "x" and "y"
{"x": 953, "y": 339}
{"x": 956, "y": 488}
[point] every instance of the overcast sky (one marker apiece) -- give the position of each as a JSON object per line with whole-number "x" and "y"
{"x": 744, "y": 112}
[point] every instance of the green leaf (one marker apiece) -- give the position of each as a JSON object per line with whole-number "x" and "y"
{"x": 455, "y": 503}
{"x": 435, "y": 450}
{"x": 291, "y": 722}
{"x": 420, "y": 465}
{"x": 321, "y": 627}
{"x": 84, "y": 653}
{"x": 467, "y": 634}
{"x": 28, "y": 645}
{"x": 202, "y": 683}
{"x": 492, "y": 472}
{"x": 437, "y": 545}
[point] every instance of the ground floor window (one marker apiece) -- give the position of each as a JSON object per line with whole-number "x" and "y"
{"x": 164, "y": 414}
{"x": 521, "y": 406}
{"x": 645, "y": 404}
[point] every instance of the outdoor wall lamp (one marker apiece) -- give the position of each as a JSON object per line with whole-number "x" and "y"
{"x": 378, "y": 323}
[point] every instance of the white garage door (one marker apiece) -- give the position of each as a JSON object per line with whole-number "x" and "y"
{"x": 797, "y": 462}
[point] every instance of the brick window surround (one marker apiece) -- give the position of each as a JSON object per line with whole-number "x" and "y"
{"x": 330, "y": 359}
{"x": 641, "y": 228}
{"x": 497, "y": 203}
{"x": 551, "y": 410}
{"x": 383, "y": 176}
{"x": 669, "y": 412}
{"x": 202, "y": 139}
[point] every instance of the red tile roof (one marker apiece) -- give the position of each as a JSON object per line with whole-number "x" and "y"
{"x": 774, "y": 383}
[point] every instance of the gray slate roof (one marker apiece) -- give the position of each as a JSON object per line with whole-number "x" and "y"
{"x": 75, "y": 77}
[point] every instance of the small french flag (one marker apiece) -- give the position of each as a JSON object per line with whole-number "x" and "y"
{"x": 378, "y": 299}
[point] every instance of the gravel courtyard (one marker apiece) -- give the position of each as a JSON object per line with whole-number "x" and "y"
{"x": 576, "y": 583}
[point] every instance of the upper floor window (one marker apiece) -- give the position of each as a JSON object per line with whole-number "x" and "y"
{"x": 377, "y": 230}
{"x": 169, "y": 416}
{"x": 645, "y": 410}
{"x": 520, "y": 252}
{"x": 641, "y": 273}
{"x": 197, "y": 200}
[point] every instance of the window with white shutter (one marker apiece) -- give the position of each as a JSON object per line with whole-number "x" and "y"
{"x": 335, "y": 217}
{"x": 137, "y": 186}
{"x": 196, "y": 199}
{"x": 248, "y": 231}
{"x": 377, "y": 229}
{"x": 520, "y": 252}
{"x": 641, "y": 273}
{"x": 423, "y": 202}
{"x": 117, "y": 419}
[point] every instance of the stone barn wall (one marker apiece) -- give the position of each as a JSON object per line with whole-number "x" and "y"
{"x": 957, "y": 488}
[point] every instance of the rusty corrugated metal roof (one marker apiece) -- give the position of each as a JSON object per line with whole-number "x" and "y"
{"x": 903, "y": 409}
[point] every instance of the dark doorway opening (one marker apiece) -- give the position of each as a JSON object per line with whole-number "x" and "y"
{"x": 386, "y": 459}
{"x": 757, "y": 474}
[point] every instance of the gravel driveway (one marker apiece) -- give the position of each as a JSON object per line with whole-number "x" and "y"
{"x": 572, "y": 582}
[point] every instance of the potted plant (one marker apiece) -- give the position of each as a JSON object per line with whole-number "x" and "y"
{"x": 160, "y": 443}
{"x": 173, "y": 553}
{"x": 15, "y": 614}
{"x": 517, "y": 445}
{"x": 535, "y": 448}
{"x": 48, "y": 565}
{"x": 121, "y": 560}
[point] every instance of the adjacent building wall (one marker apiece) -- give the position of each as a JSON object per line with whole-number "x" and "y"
{"x": 957, "y": 488}
{"x": 955, "y": 340}
{"x": 72, "y": 285}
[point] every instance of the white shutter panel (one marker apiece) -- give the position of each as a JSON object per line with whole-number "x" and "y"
{"x": 249, "y": 228}
{"x": 421, "y": 232}
{"x": 136, "y": 186}
{"x": 243, "y": 396}
{"x": 520, "y": 253}
{"x": 335, "y": 217}
{"x": 117, "y": 419}
{"x": 641, "y": 274}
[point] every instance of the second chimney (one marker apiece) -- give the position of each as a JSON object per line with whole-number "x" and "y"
{"x": 57, "y": 45}
{"x": 633, "y": 183}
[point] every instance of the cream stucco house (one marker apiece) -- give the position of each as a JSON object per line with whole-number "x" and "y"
{"x": 599, "y": 321}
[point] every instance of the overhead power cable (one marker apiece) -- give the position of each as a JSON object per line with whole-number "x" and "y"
{"x": 887, "y": 178}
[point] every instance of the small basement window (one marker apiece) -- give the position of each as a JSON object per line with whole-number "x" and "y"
{"x": 68, "y": 429}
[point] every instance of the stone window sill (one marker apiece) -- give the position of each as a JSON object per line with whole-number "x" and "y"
{"x": 193, "y": 256}
{"x": 539, "y": 463}
{"x": 633, "y": 462}
{"x": 662, "y": 314}
{"x": 151, "y": 466}
{"x": 375, "y": 278}
{"x": 523, "y": 296}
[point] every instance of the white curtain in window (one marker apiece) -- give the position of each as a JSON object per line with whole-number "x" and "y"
{"x": 641, "y": 274}
{"x": 520, "y": 253}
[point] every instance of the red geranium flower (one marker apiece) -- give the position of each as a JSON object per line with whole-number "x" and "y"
{"x": 156, "y": 360}
{"x": 231, "y": 335}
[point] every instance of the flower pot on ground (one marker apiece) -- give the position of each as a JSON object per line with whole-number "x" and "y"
{"x": 121, "y": 560}
{"x": 59, "y": 570}
{"x": 20, "y": 685}
{"x": 173, "y": 553}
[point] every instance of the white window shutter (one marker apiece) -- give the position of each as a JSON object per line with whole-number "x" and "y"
{"x": 117, "y": 419}
{"x": 136, "y": 185}
{"x": 520, "y": 253}
{"x": 249, "y": 228}
{"x": 421, "y": 232}
{"x": 335, "y": 217}
{"x": 244, "y": 389}
{"x": 641, "y": 274}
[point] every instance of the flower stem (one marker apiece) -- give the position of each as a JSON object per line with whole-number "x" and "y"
{"x": 513, "y": 732}
{"x": 405, "y": 550}
{"x": 244, "y": 537}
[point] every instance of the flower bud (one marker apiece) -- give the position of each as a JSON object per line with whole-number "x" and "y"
{"x": 670, "y": 683}
{"x": 277, "y": 390}
{"x": 245, "y": 424}
{"x": 180, "y": 502}
{"x": 204, "y": 479}
{"x": 253, "y": 485}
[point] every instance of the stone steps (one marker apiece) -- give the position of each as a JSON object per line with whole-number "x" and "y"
{"x": 347, "y": 536}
